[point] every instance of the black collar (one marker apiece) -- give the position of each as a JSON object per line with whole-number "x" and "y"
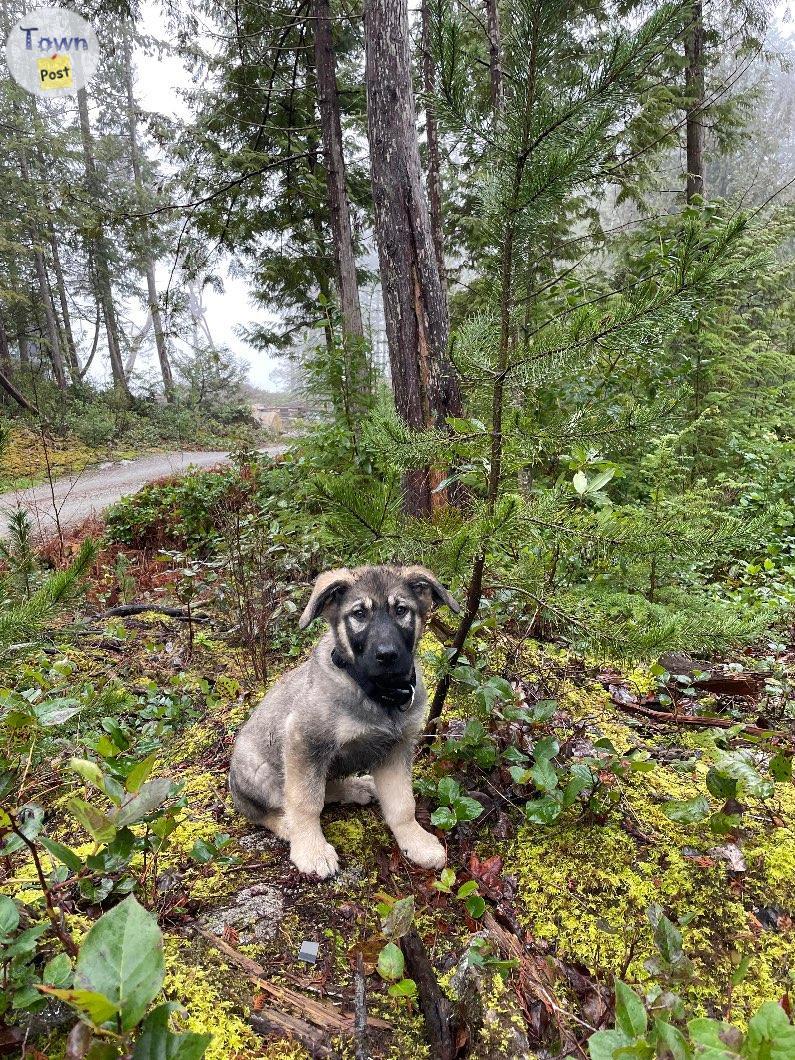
{"x": 387, "y": 692}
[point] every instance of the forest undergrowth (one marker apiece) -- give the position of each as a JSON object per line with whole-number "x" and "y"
{"x": 620, "y": 835}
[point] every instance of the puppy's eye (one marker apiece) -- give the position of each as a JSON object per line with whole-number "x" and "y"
{"x": 358, "y": 613}
{"x": 401, "y": 610}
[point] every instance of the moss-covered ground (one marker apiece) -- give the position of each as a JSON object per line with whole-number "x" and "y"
{"x": 580, "y": 887}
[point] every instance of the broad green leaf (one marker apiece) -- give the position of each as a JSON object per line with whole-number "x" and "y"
{"x": 89, "y": 1003}
{"x": 544, "y": 776}
{"x": 444, "y": 818}
{"x": 9, "y": 916}
{"x": 135, "y": 807}
{"x": 781, "y": 767}
{"x": 580, "y": 779}
{"x": 140, "y": 772}
{"x": 687, "y": 811}
{"x": 399, "y": 918}
{"x": 580, "y": 483}
{"x": 99, "y": 827}
{"x": 601, "y": 480}
{"x": 542, "y": 811}
{"x": 62, "y": 853}
{"x": 748, "y": 779}
{"x": 404, "y": 988}
{"x": 30, "y": 821}
{"x": 156, "y": 1041}
{"x": 446, "y": 881}
{"x": 712, "y": 1037}
{"x": 722, "y": 787}
{"x": 631, "y": 1015}
{"x": 89, "y": 771}
{"x": 604, "y": 1044}
{"x": 545, "y": 749}
{"x": 668, "y": 939}
{"x": 57, "y": 971}
{"x": 464, "y": 891}
{"x": 543, "y": 710}
{"x": 770, "y": 1035}
{"x": 672, "y": 1039}
{"x": 466, "y": 809}
{"x": 122, "y": 958}
{"x": 447, "y": 790}
{"x": 476, "y": 906}
{"x": 391, "y": 962}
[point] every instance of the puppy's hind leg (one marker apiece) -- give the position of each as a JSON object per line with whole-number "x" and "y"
{"x": 359, "y": 790}
{"x": 256, "y": 794}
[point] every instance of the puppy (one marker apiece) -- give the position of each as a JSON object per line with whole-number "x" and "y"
{"x": 356, "y": 706}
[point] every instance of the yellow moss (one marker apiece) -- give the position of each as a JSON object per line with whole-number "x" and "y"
{"x": 585, "y": 888}
{"x": 209, "y": 1009}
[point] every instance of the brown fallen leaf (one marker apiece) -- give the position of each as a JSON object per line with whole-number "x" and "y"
{"x": 370, "y": 949}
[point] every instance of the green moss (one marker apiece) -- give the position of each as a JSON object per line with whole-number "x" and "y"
{"x": 585, "y": 888}
{"x": 202, "y": 987}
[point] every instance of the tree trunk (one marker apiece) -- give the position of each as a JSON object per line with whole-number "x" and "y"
{"x": 339, "y": 206}
{"x": 50, "y": 325}
{"x": 434, "y": 178}
{"x": 149, "y": 266}
{"x": 6, "y": 372}
{"x": 101, "y": 254}
{"x": 415, "y": 310}
{"x": 71, "y": 348}
{"x": 52, "y": 337}
{"x": 694, "y": 88}
{"x": 6, "y": 364}
{"x": 495, "y": 54}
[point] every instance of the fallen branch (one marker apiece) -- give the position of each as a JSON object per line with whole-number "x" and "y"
{"x": 271, "y": 1021}
{"x": 360, "y": 1010}
{"x": 321, "y": 1013}
{"x": 441, "y": 1020}
{"x": 126, "y": 610}
{"x": 698, "y": 721}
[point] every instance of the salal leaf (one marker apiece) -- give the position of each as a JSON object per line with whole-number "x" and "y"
{"x": 156, "y": 1041}
{"x": 687, "y": 811}
{"x": 100, "y": 827}
{"x": 391, "y": 962}
{"x": 136, "y": 806}
{"x": 91, "y": 1004}
{"x": 631, "y": 1015}
{"x": 122, "y": 958}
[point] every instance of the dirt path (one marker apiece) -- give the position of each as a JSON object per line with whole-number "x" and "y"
{"x": 90, "y": 492}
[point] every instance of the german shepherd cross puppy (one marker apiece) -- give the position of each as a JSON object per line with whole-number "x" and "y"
{"x": 356, "y": 706}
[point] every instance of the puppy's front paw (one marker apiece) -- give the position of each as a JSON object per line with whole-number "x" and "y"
{"x": 360, "y": 790}
{"x": 315, "y": 859}
{"x": 423, "y": 848}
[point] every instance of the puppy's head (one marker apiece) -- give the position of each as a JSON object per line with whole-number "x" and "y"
{"x": 377, "y": 614}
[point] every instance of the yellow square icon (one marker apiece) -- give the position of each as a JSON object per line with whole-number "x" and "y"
{"x": 55, "y": 72}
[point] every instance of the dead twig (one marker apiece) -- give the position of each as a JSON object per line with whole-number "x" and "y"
{"x": 442, "y": 1023}
{"x": 320, "y": 1013}
{"x": 360, "y": 1010}
{"x": 699, "y": 721}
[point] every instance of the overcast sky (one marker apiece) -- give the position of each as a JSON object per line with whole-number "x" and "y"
{"x": 157, "y": 82}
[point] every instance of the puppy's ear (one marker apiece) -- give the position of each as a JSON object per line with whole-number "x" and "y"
{"x": 429, "y": 589}
{"x": 327, "y": 587}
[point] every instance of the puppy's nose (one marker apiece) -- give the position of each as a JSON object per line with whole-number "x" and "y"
{"x": 385, "y": 653}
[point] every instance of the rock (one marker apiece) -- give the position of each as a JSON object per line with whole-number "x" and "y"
{"x": 254, "y": 916}
{"x": 490, "y": 1012}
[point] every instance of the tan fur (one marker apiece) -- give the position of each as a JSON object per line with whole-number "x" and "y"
{"x": 317, "y": 728}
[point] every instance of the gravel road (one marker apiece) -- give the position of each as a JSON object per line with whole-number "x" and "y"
{"x": 90, "y": 492}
